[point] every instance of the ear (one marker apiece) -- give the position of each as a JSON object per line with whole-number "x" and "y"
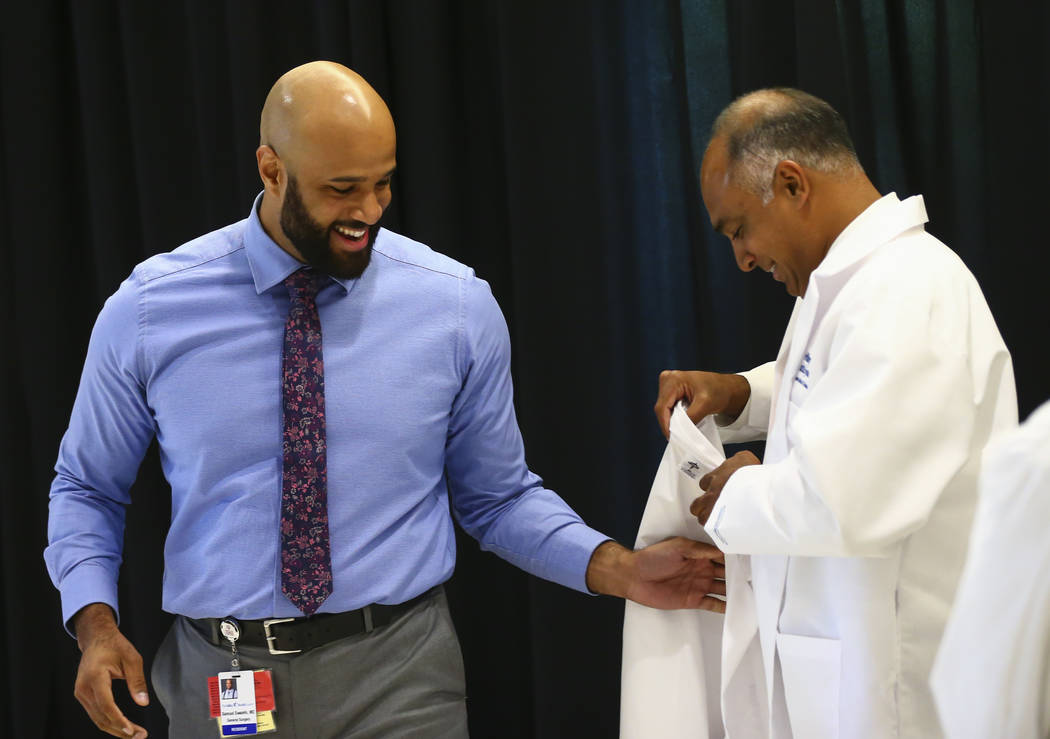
{"x": 790, "y": 181}
{"x": 271, "y": 170}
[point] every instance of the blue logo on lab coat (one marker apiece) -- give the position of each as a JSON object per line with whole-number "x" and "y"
{"x": 802, "y": 376}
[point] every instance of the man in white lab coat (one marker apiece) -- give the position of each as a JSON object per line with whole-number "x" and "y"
{"x": 991, "y": 677}
{"x": 890, "y": 380}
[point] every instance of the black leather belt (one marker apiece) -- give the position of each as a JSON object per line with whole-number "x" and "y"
{"x": 294, "y": 635}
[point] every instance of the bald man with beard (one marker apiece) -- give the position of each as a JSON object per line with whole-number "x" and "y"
{"x": 320, "y": 389}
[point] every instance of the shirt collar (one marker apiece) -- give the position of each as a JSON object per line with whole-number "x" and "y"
{"x": 270, "y": 264}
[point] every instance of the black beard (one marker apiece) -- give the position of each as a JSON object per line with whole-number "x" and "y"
{"x": 311, "y": 238}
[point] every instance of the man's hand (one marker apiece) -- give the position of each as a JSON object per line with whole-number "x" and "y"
{"x": 106, "y": 655}
{"x": 706, "y": 392}
{"x": 674, "y": 573}
{"x": 713, "y": 482}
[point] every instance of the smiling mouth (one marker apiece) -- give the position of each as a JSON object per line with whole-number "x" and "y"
{"x": 354, "y": 234}
{"x": 352, "y": 238}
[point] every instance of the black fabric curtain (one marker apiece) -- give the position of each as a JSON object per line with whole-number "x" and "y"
{"x": 551, "y": 145}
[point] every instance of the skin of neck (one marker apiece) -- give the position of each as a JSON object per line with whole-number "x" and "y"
{"x": 836, "y": 201}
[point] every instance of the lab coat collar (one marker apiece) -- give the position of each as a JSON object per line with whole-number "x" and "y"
{"x": 881, "y": 221}
{"x": 270, "y": 264}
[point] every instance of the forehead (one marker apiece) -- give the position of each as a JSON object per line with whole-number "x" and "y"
{"x": 715, "y": 167}
{"x": 722, "y": 199}
{"x": 324, "y": 149}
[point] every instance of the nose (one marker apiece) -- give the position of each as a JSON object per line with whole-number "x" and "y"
{"x": 744, "y": 260}
{"x": 368, "y": 209}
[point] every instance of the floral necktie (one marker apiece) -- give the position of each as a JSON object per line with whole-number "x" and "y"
{"x": 306, "y": 562}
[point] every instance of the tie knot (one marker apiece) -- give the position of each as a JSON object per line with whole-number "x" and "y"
{"x": 304, "y": 283}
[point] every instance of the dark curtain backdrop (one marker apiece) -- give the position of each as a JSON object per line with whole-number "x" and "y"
{"x": 553, "y": 146}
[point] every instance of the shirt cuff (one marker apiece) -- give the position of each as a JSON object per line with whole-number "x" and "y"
{"x": 83, "y": 586}
{"x": 574, "y": 557}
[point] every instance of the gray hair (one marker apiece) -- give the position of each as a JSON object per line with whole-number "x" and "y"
{"x": 765, "y": 127}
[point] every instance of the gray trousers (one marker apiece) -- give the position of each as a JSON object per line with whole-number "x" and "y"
{"x": 402, "y": 680}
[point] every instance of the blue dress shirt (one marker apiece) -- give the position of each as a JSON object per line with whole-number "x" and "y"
{"x": 419, "y": 406}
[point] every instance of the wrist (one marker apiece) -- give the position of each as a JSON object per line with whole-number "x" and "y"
{"x": 91, "y": 621}
{"x": 739, "y": 394}
{"x": 609, "y": 571}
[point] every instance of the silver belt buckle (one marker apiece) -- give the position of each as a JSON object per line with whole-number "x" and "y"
{"x": 270, "y": 637}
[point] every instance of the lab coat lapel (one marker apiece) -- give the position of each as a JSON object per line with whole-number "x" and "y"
{"x": 769, "y": 573}
{"x": 779, "y": 371}
{"x": 796, "y": 339}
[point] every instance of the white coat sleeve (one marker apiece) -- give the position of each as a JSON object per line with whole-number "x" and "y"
{"x": 991, "y": 673}
{"x": 882, "y": 431}
{"x": 753, "y": 421}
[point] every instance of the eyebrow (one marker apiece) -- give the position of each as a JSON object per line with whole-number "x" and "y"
{"x": 349, "y": 178}
{"x": 721, "y": 225}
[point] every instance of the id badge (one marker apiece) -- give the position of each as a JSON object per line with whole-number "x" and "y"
{"x": 241, "y": 701}
{"x": 237, "y": 713}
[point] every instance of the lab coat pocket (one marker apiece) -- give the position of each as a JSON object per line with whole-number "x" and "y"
{"x": 811, "y": 668}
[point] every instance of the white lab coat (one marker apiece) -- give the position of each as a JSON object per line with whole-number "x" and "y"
{"x": 673, "y": 660}
{"x": 992, "y": 674}
{"x": 891, "y": 378}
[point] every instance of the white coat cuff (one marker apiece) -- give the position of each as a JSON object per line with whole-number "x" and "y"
{"x": 753, "y": 420}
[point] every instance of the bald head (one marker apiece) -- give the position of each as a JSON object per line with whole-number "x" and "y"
{"x": 760, "y": 129}
{"x": 314, "y": 101}
{"x": 326, "y": 156}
